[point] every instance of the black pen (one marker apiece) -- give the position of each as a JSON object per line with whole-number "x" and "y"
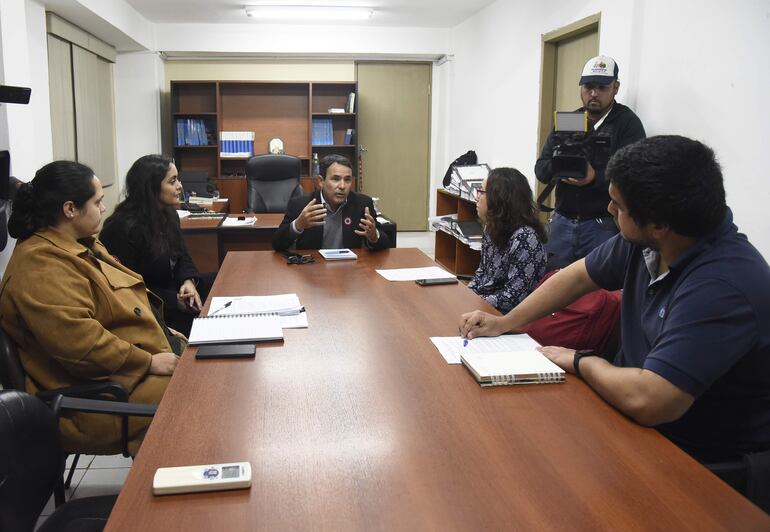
{"x": 223, "y": 307}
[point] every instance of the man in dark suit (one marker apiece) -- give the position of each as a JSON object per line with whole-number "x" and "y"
{"x": 332, "y": 217}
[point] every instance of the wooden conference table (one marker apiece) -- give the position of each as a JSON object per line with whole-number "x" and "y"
{"x": 357, "y": 423}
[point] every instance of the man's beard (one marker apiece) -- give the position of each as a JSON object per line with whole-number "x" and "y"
{"x": 594, "y": 111}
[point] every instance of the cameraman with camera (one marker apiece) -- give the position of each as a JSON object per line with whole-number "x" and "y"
{"x": 580, "y": 221}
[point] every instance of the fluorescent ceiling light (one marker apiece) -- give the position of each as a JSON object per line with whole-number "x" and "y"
{"x": 287, "y": 12}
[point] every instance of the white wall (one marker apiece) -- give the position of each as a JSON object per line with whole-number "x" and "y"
{"x": 300, "y": 39}
{"x": 717, "y": 92}
{"x": 697, "y": 68}
{"x": 138, "y": 86}
{"x": 24, "y": 129}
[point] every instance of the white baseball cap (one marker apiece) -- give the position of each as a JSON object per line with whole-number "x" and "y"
{"x": 601, "y": 69}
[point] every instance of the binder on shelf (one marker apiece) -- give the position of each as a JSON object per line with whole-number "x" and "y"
{"x": 236, "y": 144}
{"x": 351, "y": 102}
{"x": 322, "y": 132}
{"x": 192, "y": 132}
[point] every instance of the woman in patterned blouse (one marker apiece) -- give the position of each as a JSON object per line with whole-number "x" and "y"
{"x": 512, "y": 254}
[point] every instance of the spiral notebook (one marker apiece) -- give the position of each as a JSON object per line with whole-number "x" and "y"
{"x": 512, "y": 367}
{"x": 235, "y": 328}
{"x": 287, "y": 307}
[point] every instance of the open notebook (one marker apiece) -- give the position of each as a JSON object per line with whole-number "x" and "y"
{"x": 512, "y": 367}
{"x": 291, "y": 314}
{"x": 235, "y": 328}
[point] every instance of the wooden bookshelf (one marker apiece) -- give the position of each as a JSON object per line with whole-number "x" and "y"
{"x": 269, "y": 109}
{"x": 452, "y": 254}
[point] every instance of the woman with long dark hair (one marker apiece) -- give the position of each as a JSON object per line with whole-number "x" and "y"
{"x": 512, "y": 254}
{"x": 144, "y": 234}
{"x": 76, "y": 314}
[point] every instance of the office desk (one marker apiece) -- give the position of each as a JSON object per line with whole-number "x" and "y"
{"x": 208, "y": 241}
{"x": 357, "y": 423}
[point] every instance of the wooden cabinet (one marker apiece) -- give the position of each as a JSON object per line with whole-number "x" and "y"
{"x": 327, "y": 96}
{"x": 269, "y": 109}
{"x": 452, "y": 254}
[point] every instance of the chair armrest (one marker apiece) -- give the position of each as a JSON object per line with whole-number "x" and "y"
{"x": 733, "y": 474}
{"x": 98, "y": 406}
{"x": 92, "y": 390}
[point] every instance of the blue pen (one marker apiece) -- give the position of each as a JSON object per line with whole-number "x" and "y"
{"x": 465, "y": 342}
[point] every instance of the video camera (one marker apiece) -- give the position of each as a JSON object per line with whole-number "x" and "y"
{"x": 575, "y": 146}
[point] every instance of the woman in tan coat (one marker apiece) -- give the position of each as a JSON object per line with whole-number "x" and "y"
{"x": 76, "y": 315}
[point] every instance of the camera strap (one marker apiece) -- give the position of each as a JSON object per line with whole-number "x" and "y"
{"x": 544, "y": 196}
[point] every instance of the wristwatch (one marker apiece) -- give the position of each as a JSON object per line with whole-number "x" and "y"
{"x": 580, "y": 353}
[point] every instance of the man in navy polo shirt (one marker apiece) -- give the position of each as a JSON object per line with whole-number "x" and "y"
{"x": 695, "y": 355}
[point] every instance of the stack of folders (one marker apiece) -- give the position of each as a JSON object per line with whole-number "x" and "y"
{"x": 322, "y": 132}
{"x": 236, "y": 144}
{"x": 191, "y": 132}
{"x": 512, "y": 367}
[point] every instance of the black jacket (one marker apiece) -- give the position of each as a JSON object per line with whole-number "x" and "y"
{"x": 124, "y": 243}
{"x": 312, "y": 237}
{"x": 590, "y": 201}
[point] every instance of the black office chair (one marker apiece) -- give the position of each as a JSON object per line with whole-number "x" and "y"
{"x": 86, "y": 398}
{"x": 272, "y": 181}
{"x": 197, "y": 183}
{"x": 31, "y": 465}
{"x": 749, "y": 477}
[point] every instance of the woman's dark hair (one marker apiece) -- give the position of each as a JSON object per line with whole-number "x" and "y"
{"x": 510, "y": 206}
{"x": 155, "y": 226}
{"x": 38, "y": 204}
{"x": 670, "y": 180}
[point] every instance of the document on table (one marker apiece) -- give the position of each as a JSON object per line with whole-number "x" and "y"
{"x": 412, "y": 274}
{"x": 235, "y": 222}
{"x": 451, "y": 347}
{"x": 293, "y": 321}
{"x": 279, "y": 304}
{"x": 286, "y": 306}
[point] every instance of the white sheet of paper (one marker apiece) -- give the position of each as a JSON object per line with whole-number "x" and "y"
{"x": 412, "y": 274}
{"x": 183, "y": 214}
{"x": 286, "y": 303}
{"x": 231, "y": 222}
{"x": 451, "y": 347}
{"x": 294, "y": 321}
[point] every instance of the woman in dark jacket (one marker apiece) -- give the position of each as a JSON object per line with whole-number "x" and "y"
{"x": 144, "y": 234}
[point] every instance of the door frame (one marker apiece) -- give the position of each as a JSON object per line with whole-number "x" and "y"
{"x": 549, "y": 42}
